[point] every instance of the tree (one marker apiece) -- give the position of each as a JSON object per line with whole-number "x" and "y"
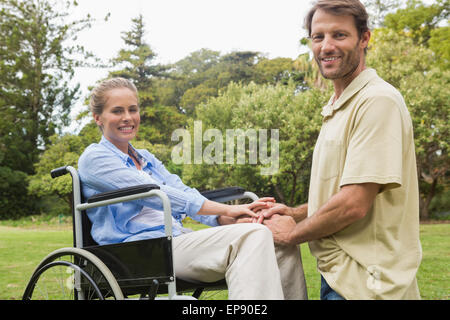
{"x": 36, "y": 65}
{"x": 439, "y": 43}
{"x": 136, "y": 62}
{"x": 428, "y": 101}
{"x": 278, "y": 70}
{"x": 411, "y": 67}
{"x": 237, "y": 66}
{"x": 248, "y": 109}
{"x": 204, "y": 73}
{"x": 411, "y": 53}
{"x": 418, "y": 19}
{"x": 192, "y": 97}
{"x": 36, "y": 95}
{"x": 14, "y": 200}
{"x": 378, "y": 9}
{"x": 426, "y": 25}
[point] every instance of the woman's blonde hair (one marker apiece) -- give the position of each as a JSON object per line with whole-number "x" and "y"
{"x": 98, "y": 95}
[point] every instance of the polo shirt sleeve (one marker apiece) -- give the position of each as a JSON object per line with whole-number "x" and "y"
{"x": 374, "y": 153}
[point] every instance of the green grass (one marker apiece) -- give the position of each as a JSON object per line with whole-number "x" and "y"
{"x": 21, "y": 250}
{"x": 434, "y": 272}
{"x": 23, "y": 244}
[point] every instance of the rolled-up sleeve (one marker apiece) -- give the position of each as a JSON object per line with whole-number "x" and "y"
{"x": 181, "y": 194}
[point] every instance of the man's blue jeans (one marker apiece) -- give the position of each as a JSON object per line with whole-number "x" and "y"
{"x": 327, "y": 293}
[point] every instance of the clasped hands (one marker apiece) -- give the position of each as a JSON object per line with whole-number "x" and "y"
{"x": 276, "y": 216}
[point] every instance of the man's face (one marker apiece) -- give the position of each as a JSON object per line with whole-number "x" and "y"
{"x": 336, "y": 46}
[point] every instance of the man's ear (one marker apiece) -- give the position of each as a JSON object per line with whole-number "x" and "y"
{"x": 365, "y": 38}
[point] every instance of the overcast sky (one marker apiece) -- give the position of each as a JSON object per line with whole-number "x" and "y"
{"x": 176, "y": 28}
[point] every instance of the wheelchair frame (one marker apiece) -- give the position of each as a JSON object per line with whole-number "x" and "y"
{"x": 135, "y": 267}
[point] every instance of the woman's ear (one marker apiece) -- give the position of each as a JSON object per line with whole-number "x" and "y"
{"x": 98, "y": 120}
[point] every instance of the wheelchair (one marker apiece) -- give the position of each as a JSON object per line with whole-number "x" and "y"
{"x": 143, "y": 268}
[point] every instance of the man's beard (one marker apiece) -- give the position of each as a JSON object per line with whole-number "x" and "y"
{"x": 349, "y": 63}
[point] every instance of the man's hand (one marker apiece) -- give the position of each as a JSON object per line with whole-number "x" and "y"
{"x": 281, "y": 227}
{"x": 278, "y": 208}
{"x": 298, "y": 213}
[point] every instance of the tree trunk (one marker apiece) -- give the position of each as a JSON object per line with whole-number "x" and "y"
{"x": 424, "y": 202}
{"x": 279, "y": 193}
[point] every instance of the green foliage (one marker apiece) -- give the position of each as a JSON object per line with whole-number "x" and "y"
{"x": 205, "y": 73}
{"x": 425, "y": 25}
{"x": 378, "y": 9}
{"x": 36, "y": 65}
{"x": 429, "y": 103}
{"x": 137, "y": 59}
{"x": 14, "y": 201}
{"x": 194, "y": 96}
{"x": 395, "y": 56}
{"x": 418, "y": 19}
{"x": 64, "y": 151}
{"x": 278, "y": 70}
{"x": 413, "y": 69}
{"x": 256, "y": 107}
{"x": 237, "y": 90}
{"x": 136, "y": 62}
{"x": 440, "y": 44}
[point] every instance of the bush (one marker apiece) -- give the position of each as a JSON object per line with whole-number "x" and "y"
{"x": 15, "y": 202}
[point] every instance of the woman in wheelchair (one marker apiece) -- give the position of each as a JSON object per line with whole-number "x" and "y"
{"x": 243, "y": 253}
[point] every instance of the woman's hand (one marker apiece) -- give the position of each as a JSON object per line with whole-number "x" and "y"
{"x": 242, "y": 211}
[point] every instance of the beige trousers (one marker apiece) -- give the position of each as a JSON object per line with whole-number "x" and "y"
{"x": 254, "y": 268}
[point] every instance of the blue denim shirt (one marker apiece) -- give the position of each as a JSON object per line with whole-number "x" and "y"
{"x": 102, "y": 167}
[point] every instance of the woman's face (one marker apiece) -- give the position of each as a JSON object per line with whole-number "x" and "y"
{"x": 120, "y": 117}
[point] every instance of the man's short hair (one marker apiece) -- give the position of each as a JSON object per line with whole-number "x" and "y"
{"x": 341, "y": 8}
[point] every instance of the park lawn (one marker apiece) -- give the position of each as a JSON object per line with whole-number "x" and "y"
{"x": 22, "y": 248}
{"x": 434, "y": 272}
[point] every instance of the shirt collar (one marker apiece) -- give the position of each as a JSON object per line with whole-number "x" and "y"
{"x": 132, "y": 151}
{"x": 125, "y": 157}
{"x": 354, "y": 87}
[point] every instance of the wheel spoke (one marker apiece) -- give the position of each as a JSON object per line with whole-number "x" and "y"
{"x": 69, "y": 276}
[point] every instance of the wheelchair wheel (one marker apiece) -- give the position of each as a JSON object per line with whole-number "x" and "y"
{"x": 72, "y": 274}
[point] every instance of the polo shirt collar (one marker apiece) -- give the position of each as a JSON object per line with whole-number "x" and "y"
{"x": 354, "y": 87}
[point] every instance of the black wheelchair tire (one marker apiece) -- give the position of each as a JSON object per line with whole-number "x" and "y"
{"x": 77, "y": 256}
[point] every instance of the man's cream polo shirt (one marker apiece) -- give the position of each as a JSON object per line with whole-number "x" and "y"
{"x": 367, "y": 136}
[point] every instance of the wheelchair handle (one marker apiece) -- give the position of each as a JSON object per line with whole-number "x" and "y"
{"x": 55, "y": 173}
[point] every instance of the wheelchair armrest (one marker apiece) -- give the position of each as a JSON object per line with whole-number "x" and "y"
{"x": 228, "y": 194}
{"x": 122, "y": 192}
{"x": 224, "y": 192}
{"x": 129, "y": 194}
